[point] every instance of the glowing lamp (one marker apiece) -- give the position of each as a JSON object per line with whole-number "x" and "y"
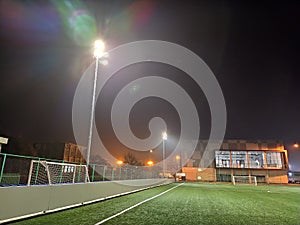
{"x": 150, "y": 163}
{"x": 119, "y": 162}
{"x": 99, "y": 48}
{"x": 164, "y": 136}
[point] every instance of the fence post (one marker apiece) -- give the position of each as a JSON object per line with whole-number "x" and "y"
{"x": 126, "y": 169}
{"x": 2, "y": 167}
{"x": 120, "y": 173}
{"x": 79, "y": 172}
{"x": 93, "y": 172}
{"x": 103, "y": 174}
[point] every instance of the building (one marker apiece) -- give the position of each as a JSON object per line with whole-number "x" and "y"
{"x": 267, "y": 160}
{"x": 68, "y": 152}
{"x": 3, "y": 141}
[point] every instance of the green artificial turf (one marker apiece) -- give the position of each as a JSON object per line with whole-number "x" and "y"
{"x": 191, "y": 203}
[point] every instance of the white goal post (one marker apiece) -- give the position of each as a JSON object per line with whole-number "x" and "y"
{"x": 44, "y": 172}
{"x": 237, "y": 180}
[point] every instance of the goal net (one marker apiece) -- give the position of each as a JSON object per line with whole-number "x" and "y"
{"x": 44, "y": 172}
{"x": 237, "y": 180}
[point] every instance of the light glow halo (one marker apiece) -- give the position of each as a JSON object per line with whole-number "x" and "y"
{"x": 162, "y": 52}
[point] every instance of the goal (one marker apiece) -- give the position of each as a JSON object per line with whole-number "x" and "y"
{"x": 44, "y": 172}
{"x": 237, "y": 180}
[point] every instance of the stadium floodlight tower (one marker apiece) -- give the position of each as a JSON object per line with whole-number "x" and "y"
{"x": 101, "y": 57}
{"x": 164, "y": 138}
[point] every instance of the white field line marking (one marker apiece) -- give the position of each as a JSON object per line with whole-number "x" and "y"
{"x": 131, "y": 207}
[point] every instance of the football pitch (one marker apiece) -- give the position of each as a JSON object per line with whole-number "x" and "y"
{"x": 189, "y": 203}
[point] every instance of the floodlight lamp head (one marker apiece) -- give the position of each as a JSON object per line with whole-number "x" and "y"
{"x": 164, "y": 136}
{"x": 99, "y": 48}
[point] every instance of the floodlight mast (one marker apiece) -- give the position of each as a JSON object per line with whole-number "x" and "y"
{"x": 164, "y": 138}
{"x": 100, "y": 56}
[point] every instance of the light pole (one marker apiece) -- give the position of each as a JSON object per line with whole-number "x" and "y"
{"x": 164, "y": 138}
{"x": 177, "y": 157}
{"x": 100, "y": 56}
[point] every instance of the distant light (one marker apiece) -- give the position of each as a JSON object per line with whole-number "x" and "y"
{"x": 290, "y": 174}
{"x": 119, "y": 162}
{"x": 164, "y": 136}
{"x": 296, "y": 145}
{"x": 150, "y": 163}
{"x": 151, "y": 150}
{"x": 177, "y": 157}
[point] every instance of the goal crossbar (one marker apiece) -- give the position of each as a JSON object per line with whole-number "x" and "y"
{"x": 237, "y": 180}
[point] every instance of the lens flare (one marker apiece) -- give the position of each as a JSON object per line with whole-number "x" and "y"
{"x": 79, "y": 24}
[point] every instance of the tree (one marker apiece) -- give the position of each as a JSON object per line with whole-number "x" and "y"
{"x": 130, "y": 159}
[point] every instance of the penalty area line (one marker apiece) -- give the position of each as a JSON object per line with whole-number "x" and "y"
{"x": 140, "y": 203}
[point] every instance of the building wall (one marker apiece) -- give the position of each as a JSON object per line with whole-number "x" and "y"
{"x": 198, "y": 174}
{"x": 74, "y": 153}
{"x": 264, "y": 171}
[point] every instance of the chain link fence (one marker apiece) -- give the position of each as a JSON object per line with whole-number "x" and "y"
{"x": 14, "y": 170}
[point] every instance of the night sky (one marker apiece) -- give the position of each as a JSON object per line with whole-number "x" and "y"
{"x": 252, "y": 48}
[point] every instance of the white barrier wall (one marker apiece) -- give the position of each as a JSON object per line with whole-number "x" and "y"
{"x": 23, "y": 201}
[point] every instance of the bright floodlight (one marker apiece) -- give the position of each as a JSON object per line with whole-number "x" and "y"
{"x": 164, "y": 136}
{"x": 296, "y": 145}
{"x": 99, "y": 48}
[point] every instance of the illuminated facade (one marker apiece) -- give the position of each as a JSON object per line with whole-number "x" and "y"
{"x": 265, "y": 159}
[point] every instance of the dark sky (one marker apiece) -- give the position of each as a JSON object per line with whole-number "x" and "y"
{"x": 252, "y": 48}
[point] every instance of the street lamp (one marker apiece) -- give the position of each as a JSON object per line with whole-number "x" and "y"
{"x": 150, "y": 163}
{"x": 100, "y": 56}
{"x": 164, "y": 138}
{"x": 296, "y": 145}
{"x": 119, "y": 162}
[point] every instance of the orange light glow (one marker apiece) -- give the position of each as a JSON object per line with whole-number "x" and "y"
{"x": 296, "y": 145}
{"x": 150, "y": 163}
{"x": 119, "y": 162}
{"x": 177, "y": 157}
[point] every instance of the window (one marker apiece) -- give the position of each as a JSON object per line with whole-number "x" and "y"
{"x": 222, "y": 159}
{"x": 274, "y": 159}
{"x": 256, "y": 159}
{"x": 239, "y": 159}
